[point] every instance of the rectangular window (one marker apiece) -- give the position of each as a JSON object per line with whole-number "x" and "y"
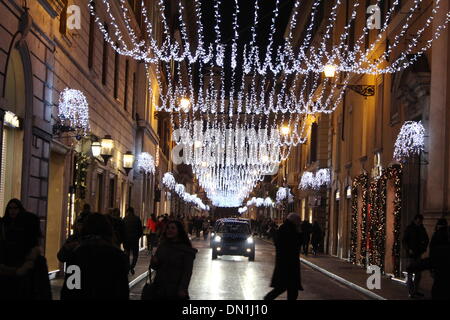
{"x": 125, "y": 99}
{"x": 63, "y": 18}
{"x": 105, "y": 59}
{"x": 91, "y": 39}
{"x": 100, "y": 194}
{"x": 133, "y": 102}
{"x": 116, "y": 75}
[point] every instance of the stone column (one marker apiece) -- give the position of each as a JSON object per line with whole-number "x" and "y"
{"x": 436, "y": 188}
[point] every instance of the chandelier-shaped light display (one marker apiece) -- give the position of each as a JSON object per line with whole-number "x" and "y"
{"x": 146, "y": 163}
{"x": 315, "y": 181}
{"x": 410, "y": 141}
{"x": 292, "y": 55}
{"x": 169, "y": 182}
{"x": 73, "y": 110}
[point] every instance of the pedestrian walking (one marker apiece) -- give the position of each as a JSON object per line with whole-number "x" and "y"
{"x": 205, "y": 229}
{"x": 133, "y": 232}
{"x": 118, "y": 226}
{"x": 191, "y": 225}
{"x": 415, "y": 241}
{"x": 306, "y": 232}
{"x": 103, "y": 267}
{"x": 82, "y": 217}
{"x": 286, "y": 276}
{"x": 23, "y": 270}
{"x": 316, "y": 237}
{"x": 440, "y": 261}
{"x": 173, "y": 263}
{"x": 152, "y": 240}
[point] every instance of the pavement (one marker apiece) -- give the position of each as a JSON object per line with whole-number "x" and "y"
{"x": 356, "y": 277}
{"x": 236, "y": 278}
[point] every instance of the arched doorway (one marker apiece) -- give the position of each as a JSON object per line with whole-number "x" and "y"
{"x": 12, "y": 133}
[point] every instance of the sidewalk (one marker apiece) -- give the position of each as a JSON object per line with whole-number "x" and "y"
{"x": 141, "y": 272}
{"x": 356, "y": 277}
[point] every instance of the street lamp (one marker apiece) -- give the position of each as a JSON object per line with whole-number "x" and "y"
{"x": 362, "y": 89}
{"x": 185, "y": 104}
{"x": 329, "y": 70}
{"x": 128, "y": 161}
{"x": 107, "y": 144}
{"x": 96, "y": 148}
{"x": 285, "y": 130}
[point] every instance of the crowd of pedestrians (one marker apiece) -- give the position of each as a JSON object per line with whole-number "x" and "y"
{"x": 105, "y": 249}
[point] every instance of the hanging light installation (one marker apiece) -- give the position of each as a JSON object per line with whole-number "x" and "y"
{"x": 288, "y": 57}
{"x": 410, "y": 141}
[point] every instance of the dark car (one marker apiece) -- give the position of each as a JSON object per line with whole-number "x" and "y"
{"x": 233, "y": 237}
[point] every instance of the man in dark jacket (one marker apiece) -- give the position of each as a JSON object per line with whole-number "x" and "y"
{"x": 415, "y": 241}
{"x": 286, "y": 276}
{"x": 133, "y": 232}
{"x": 102, "y": 267}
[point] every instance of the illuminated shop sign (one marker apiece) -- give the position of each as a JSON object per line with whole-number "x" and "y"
{"x": 11, "y": 120}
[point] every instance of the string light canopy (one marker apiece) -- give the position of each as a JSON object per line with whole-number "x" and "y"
{"x": 257, "y": 87}
{"x": 410, "y": 141}
{"x": 316, "y": 180}
{"x": 73, "y": 110}
{"x": 292, "y": 55}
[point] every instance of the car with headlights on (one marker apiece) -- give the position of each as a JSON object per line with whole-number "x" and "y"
{"x": 233, "y": 237}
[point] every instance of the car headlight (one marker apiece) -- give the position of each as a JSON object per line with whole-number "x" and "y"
{"x": 217, "y": 239}
{"x": 250, "y": 240}
{"x": 212, "y": 234}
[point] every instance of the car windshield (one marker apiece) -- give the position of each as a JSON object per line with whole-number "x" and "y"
{"x": 234, "y": 228}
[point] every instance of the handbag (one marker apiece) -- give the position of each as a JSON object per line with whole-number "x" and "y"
{"x": 149, "y": 291}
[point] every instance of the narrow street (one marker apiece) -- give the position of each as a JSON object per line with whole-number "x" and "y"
{"x": 235, "y": 278}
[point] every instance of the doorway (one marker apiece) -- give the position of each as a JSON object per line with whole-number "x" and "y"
{"x": 55, "y": 209}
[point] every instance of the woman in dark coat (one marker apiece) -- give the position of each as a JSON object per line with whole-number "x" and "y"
{"x": 103, "y": 267}
{"x": 286, "y": 276}
{"x": 23, "y": 271}
{"x": 173, "y": 262}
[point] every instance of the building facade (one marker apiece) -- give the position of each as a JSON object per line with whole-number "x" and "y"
{"x": 371, "y": 197}
{"x": 52, "y": 170}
